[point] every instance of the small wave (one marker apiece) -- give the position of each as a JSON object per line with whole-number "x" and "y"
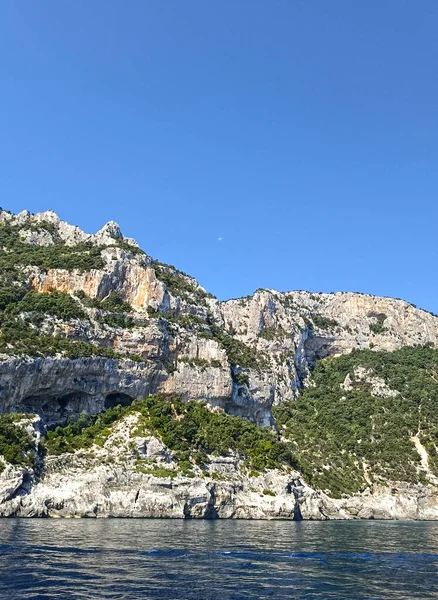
{"x": 67, "y": 549}
{"x": 245, "y": 555}
{"x": 156, "y": 552}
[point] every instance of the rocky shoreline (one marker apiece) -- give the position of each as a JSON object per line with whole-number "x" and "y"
{"x": 110, "y": 481}
{"x": 104, "y": 493}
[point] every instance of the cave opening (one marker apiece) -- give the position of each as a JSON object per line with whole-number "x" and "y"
{"x": 116, "y": 399}
{"x": 73, "y": 400}
{"x": 58, "y": 407}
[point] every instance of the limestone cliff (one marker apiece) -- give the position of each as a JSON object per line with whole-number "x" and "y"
{"x": 140, "y": 327}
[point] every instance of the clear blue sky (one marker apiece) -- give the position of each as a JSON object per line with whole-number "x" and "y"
{"x": 302, "y": 132}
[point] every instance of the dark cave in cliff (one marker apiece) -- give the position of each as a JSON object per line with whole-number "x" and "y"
{"x": 116, "y": 398}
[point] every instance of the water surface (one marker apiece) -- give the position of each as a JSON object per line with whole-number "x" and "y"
{"x": 211, "y": 560}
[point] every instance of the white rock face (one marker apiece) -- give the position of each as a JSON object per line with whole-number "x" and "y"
{"x": 295, "y": 329}
{"x": 377, "y": 385}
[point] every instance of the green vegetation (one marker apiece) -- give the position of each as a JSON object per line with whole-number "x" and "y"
{"x": 19, "y": 338}
{"x": 241, "y": 378}
{"x": 129, "y": 247}
{"x": 113, "y": 302}
{"x": 15, "y": 253}
{"x": 83, "y": 433}
{"x": 323, "y": 322}
{"x": 45, "y": 226}
{"x": 203, "y": 363}
{"x": 153, "y": 312}
{"x": 16, "y": 444}
{"x": 114, "y": 306}
{"x": 378, "y": 326}
{"x": 11, "y": 293}
{"x": 193, "y": 432}
{"x": 57, "y": 304}
{"x": 148, "y": 469}
{"x": 189, "y": 429}
{"x": 272, "y": 333}
{"x": 338, "y": 434}
{"x": 179, "y": 284}
{"x": 238, "y": 353}
{"x": 188, "y": 321}
{"x": 21, "y": 314}
{"x": 117, "y": 320}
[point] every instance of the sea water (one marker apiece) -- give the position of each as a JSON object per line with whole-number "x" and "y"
{"x": 217, "y": 560}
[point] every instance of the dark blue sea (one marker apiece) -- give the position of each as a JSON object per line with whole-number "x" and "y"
{"x": 217, "y": 560}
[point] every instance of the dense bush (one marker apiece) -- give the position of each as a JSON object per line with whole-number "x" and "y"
{"x": 14, "y": 252}
{"x": 117, "y": 320}
{"x": 129, "y": 247}
{"x": 272, "y": 333}
{"x": 179, "y": 284}
{"x": 113, "y": 303}
{"x": 114, "y": 306}
{"x": 238, "y": 353}
{"x": 338, "y": 433}
{"x": 11, "y": 293}
{"x": 45, "y": 226}
{"x": 83, "y": 433}
{"x": 53, "y": 303}
{"x": 22, "y": 311}
{"x": 323, "y": 322}
{"x": 189, "y": 429}
{"x": 19, "y": 338}
{"x": 16, "y": 444}
{"x": 378, "y": 326}
{"x": 241, "y": 378}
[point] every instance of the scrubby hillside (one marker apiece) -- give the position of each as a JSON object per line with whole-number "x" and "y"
{"x": 366, "y": 418}
{"x": 91, "y": 326}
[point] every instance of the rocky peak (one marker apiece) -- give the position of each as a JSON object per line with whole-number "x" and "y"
{"x": 112, "y": 229}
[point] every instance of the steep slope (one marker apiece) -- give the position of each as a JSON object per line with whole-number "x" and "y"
{"x": 90, "y": 322}
{"x": 367, "y": 418}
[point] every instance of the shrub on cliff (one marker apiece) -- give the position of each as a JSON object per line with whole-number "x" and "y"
{"x": 57, "y": 304}
{"x": 16, "y": 444}
{"x": 115, "y": 303}
{"x": 179, "y": 284}
{"x": 189, "y": 429}
{"x": 238, "y": 353}
{"x": 343, "y": 434}
{"x": 84, "y": 256}
{"x": 83, "y": 433}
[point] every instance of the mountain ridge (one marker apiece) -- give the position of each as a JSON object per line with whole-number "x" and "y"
{"x": 89, "y": 321}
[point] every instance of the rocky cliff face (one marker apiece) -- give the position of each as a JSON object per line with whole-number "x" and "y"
{"x": 126, "y": 477}
{"x": 147, "y": 328}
